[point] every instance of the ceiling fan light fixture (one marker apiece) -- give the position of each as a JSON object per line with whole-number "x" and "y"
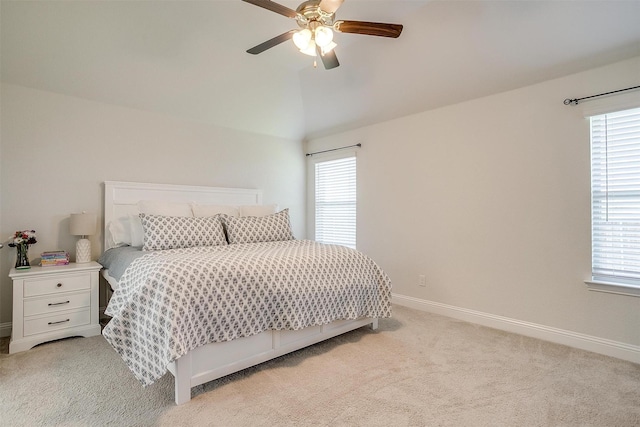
{"x": 310, "y": 49}
{"x": 328, "y": 48}
{"x": 302, "y": 39}
{"x": 317, "y": 24}
{"x": 323, "y": 36}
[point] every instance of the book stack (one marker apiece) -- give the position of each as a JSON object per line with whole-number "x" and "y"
{"x": 53, "y": 258}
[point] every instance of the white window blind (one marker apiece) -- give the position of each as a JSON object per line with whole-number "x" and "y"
{"x": 615, "y": 197}
{"x": 335, "y": 201}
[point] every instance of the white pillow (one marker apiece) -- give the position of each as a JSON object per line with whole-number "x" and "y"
{"x": 158, "y": 207}
{"x": 137, "y": 232}
{"x": 258, "y": 210}
{"x": 253, "y": 229}
{"x": 211, "y": 210}
{"x": 172, "y": 232}
{"x": 119, "y": 233}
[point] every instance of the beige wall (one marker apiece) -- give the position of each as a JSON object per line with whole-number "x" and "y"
{"x": 490, "y": 199}
{"x": 58, "y": 150}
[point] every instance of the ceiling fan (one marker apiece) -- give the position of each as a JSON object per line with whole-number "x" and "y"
{"x": 316, "y": 19}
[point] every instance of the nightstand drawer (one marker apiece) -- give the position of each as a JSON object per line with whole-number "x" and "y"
{"x": 55, "y": 322}
{"x": 55, "y": 303}
{"x": 49, "y": 285}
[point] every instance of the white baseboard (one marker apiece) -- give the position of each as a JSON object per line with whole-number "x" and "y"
{"x": 607, "y": 347}
{"x": 560, "y": 336}
{"x": 5, "y": 329}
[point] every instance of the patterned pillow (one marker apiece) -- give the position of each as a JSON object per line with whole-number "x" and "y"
{"x": 254, "y": 229}
{"x": 172, "y": 232}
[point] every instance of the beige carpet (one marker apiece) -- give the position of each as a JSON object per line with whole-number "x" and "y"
{"x": 418, "y": 369}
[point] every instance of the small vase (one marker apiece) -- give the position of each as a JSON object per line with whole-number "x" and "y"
{"x": 22, "y": 258}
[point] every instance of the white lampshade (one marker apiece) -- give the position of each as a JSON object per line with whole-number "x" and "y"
{"x": 324, "y": 36}
{"x": 328, "y": 48}
{"x": 310, "y": 50}
{"x": 302, "y": 38}
{"x": 83, "y": 224}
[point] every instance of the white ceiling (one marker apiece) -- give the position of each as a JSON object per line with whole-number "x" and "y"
{"x": 187, "y": 58}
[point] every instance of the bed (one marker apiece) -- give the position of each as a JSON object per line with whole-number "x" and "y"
{"x": 218, "y": 304}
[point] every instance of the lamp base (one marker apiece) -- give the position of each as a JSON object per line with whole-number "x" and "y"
{"x": 83, "y": 251}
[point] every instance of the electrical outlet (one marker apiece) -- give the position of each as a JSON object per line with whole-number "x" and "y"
{"x": 422, "y": 281}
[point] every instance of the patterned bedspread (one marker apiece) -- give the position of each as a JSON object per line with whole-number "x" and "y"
{"x": 170, "y": 302}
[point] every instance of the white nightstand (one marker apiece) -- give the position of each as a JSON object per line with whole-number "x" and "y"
{"x": 50, "y": 303}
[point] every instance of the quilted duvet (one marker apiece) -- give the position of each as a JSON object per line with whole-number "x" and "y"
{"x": 170, "y": 302}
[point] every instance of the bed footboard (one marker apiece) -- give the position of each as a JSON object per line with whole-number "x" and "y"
{"x": 216, "y": 360}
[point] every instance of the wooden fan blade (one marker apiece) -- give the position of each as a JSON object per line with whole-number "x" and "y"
{"x": 329, "y": 59}
{"x": 271, "y": 43}
{"x": 274, "y": 7}
{"x": 330, "y": 6}
{"x": 369, "y": 28}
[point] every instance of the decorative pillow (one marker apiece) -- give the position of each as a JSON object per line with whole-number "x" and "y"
{"x": 158, "y": 207}
{"x": 254, "y": 229}
{"x": 211, "y": 210}
{"x": 172, "y": 232}
{"x": 258, "y": 210}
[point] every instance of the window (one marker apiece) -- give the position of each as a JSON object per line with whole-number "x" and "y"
{"x": 335, "y": 201}
{"x": 615, "y": 198}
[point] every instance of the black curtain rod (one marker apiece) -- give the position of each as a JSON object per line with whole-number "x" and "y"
{"x": 334, "y": 149}
{"x": 576, "y": 100}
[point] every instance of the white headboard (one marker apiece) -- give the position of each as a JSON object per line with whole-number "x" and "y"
{"x": 121, "y": 198}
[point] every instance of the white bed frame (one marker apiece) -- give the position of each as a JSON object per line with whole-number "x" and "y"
{"x": 216, "y": 360}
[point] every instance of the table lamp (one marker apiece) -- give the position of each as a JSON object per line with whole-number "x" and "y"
{"x": 83, "y": 224}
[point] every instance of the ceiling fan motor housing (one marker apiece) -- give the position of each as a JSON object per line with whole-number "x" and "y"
{"x": 311, "y": 16}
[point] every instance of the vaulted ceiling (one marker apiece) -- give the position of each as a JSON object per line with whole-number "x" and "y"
{"x": 187, "y": 58}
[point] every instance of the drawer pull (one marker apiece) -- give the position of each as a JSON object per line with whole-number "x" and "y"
{"x": 58, "y": 303}
{"x": 55, "y": 323}
{"x": 59, "y": 285}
